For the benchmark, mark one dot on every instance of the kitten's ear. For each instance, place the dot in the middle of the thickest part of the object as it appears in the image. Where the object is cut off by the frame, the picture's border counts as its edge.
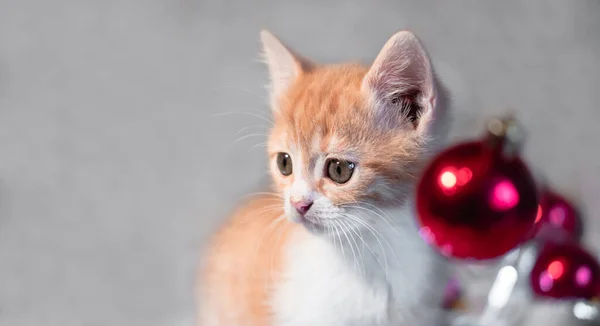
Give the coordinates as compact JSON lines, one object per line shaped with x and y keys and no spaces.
{"x":400,"y":83}
{"x":284,"y":65}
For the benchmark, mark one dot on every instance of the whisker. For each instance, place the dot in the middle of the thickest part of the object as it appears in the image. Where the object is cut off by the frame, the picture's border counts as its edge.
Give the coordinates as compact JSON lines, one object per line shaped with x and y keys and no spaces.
{"x":263,"y":144}
{"x":377,"y":215}
{"x":355,"y":219}
{"x":264,"y":193}
{"x":375,"y":207}
{"x":346,"y":236}
{"x":248,"y":128}
{"x":248,"y":136}
{"x":356,"y":260}
{"x":375,"y":233}
{"x":329,"y":234}
{"x":245,"y":113}
{"x":365,"y":244}
{"x":270,"y":209}
{"x":385,"y":240}
{"x":337,"y":233}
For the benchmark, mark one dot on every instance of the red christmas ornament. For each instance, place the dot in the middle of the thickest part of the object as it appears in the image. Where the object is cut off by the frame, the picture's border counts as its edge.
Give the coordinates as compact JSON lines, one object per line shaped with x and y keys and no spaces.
{"x":565,"y":271}
{"x":478,"y":200}
{"x":556,"y":214}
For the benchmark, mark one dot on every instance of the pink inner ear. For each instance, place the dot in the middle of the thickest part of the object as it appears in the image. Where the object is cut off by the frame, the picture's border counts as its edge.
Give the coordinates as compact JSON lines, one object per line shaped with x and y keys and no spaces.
{"x":400,"y":80}
{"x":401,"y":71}
{"x":409,"y":105}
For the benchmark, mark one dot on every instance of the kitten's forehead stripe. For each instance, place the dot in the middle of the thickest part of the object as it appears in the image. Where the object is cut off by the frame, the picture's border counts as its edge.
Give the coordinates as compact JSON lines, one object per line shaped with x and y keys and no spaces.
{"x":315,"y":150}
{"x":325,"y":100}
{"x":331,"y":144}
{"x":315,"y":146}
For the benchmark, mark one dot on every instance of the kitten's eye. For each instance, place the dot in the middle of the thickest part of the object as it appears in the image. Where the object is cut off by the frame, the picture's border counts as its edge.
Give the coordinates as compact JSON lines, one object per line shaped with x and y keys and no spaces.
{"x":340,"y":171}
{"x":284,"y":163}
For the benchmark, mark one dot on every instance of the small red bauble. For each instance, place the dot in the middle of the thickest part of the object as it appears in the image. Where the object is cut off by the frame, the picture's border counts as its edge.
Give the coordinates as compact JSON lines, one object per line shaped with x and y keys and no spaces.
{"x":556,"y":214}
{"x":565,"y":271}
{"x":476,"y":202}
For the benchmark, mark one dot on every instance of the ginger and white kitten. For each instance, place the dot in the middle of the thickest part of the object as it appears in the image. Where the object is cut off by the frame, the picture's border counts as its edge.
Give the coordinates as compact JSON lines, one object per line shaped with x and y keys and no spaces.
{"x":337,"y":243}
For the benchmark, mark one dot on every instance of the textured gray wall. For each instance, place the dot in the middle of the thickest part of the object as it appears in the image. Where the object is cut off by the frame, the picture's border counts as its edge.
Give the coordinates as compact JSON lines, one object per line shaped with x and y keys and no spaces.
{"x":114,"y":167}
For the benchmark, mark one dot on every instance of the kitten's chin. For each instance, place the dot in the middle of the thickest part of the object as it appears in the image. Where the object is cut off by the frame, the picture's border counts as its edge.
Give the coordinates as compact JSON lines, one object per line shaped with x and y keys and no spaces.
{"x":311,"y":224}
{"x":295,"y":218}
{"x":324,"y":226}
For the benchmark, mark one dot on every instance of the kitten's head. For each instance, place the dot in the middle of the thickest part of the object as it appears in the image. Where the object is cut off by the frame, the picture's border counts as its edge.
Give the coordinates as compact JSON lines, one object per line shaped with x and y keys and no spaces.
{"x":349,"y":138}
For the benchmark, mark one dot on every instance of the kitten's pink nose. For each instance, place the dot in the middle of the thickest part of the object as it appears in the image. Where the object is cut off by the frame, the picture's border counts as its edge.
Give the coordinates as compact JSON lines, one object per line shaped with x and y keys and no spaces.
{"x":302,"y":206}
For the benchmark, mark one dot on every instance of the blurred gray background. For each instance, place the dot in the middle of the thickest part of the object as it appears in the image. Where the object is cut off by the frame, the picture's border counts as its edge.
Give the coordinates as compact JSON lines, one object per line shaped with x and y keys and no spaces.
{"x":115,"y":163}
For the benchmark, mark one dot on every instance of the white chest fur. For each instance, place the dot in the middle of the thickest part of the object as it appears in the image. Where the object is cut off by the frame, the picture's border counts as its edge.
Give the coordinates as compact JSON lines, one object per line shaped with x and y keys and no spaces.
{"x":389,"y":279}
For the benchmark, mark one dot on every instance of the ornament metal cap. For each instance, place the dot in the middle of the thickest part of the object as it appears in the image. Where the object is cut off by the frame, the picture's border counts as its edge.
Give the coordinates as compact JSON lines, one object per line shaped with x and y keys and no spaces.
{"x":505,"y":133}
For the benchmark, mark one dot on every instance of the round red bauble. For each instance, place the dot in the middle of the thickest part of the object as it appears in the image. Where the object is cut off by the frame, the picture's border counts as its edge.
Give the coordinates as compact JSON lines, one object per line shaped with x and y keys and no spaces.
{"x":475,"y":202}
{"x":556,"y":214}
{"x":565,"y":271}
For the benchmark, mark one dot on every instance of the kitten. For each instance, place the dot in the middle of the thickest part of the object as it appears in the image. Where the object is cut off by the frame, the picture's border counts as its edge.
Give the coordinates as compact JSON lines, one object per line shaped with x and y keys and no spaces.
{"x":337,"y":243}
